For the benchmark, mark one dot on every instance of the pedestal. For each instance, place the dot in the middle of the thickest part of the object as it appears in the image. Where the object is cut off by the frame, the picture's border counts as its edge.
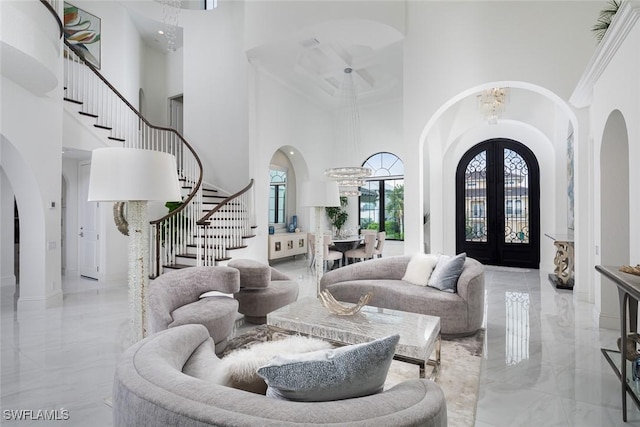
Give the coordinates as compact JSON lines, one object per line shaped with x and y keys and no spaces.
{"x":564,"y":262}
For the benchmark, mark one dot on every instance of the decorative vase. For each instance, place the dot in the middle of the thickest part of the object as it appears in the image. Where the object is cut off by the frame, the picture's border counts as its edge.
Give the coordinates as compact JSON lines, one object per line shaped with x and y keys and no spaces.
{"x":272,"y":229}
{"x":294,"y":221}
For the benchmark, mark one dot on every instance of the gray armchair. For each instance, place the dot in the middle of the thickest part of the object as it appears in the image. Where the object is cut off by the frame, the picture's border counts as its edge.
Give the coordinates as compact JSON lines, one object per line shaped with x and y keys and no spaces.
{"x":174,"y":299}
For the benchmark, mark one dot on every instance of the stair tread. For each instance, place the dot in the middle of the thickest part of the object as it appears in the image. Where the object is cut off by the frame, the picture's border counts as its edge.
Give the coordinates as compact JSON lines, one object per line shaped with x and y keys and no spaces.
{"x":102,"y":127}
{"x":73,"y":100}
{"x":115,"y":138}
{"x":95,"y":116}
{"x":230,"y":248}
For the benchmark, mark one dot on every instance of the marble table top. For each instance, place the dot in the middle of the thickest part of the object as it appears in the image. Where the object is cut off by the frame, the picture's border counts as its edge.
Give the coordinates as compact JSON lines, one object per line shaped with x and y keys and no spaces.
{"x":418,"y":332}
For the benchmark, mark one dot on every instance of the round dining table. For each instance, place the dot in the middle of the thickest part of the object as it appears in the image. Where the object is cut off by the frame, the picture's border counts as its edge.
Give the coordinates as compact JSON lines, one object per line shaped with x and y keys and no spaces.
{"x":343,"y":244}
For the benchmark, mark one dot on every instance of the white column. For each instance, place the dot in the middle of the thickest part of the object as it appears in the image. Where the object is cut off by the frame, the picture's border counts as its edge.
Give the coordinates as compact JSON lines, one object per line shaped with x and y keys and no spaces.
{"x":7,"y":273}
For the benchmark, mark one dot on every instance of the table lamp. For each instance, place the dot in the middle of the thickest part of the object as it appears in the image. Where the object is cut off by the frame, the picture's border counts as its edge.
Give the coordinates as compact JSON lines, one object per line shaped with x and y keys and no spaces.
{"x":319,"y":194}
{"x":136,"y":176}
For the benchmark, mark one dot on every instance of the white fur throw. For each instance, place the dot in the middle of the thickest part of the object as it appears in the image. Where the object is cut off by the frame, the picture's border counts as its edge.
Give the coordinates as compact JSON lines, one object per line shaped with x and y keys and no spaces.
{"x":240,"y":367}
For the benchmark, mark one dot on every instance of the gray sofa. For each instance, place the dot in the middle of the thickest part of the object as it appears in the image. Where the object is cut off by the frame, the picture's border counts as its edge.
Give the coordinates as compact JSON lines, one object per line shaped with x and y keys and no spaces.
{"x":151,"y":389}
{"x":460,"y":313}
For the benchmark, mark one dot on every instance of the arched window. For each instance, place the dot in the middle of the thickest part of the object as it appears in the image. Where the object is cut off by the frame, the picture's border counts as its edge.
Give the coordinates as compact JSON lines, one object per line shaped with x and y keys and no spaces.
{"x":277,"y":195}
{"x":382,"y":198}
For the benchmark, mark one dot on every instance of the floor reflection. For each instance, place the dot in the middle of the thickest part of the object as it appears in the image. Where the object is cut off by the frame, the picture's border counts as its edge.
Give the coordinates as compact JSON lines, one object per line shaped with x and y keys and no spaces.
{"x":517,"y":327}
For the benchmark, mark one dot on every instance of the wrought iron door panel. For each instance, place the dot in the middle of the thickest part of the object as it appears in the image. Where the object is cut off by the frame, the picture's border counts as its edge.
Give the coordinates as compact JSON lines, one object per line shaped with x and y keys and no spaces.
{"x":497,"y":204}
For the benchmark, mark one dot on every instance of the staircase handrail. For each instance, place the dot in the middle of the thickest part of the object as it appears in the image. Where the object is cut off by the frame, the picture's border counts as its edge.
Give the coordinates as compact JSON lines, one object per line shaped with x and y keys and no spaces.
{"x":205,"y":218}
{"x":137,"y":113}
{"x":48,"y":5}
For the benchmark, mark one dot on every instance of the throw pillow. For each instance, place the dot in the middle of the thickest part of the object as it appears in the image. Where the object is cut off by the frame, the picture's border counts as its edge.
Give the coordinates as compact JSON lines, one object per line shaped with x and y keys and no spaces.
{"x":419,"y":269}
{"x":346,"y":372}
{"x":239,"y":368}
{"x":448,"y":270}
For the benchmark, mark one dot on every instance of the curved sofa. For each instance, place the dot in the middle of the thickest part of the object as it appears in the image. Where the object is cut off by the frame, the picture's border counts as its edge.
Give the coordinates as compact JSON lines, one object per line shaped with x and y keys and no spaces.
{"x":460,"y":313}
{"x":151,"y":389}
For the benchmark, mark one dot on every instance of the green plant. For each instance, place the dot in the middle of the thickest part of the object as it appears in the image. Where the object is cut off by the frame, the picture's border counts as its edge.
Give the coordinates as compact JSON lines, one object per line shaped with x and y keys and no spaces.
{"x":337,"y":215}
{"x":604,"y":19}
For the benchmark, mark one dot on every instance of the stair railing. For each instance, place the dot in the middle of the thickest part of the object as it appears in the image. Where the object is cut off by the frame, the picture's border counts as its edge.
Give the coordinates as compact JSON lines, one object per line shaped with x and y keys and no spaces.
{"x":225,"y":227}
{"x":99,"y":99}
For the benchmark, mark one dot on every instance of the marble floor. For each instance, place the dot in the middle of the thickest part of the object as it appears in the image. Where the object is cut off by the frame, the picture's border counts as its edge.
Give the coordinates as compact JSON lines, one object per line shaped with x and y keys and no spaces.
{"x":542,"y":363}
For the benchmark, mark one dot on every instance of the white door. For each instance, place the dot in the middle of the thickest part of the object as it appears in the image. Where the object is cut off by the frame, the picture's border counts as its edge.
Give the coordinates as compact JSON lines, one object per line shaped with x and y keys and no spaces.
{"x":88,"y":220}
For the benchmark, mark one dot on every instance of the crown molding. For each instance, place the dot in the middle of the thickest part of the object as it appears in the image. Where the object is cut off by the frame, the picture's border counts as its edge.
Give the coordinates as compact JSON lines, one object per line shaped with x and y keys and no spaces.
{"x":621,"y":24}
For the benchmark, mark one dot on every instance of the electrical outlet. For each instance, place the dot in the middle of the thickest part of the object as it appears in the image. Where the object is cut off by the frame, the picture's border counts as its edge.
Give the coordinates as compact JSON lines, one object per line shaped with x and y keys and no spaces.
{"x":597,"y":250}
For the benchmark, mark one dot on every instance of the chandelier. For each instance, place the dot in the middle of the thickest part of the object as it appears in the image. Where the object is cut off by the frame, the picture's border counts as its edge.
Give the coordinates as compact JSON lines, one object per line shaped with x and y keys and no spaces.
{"x":170,"y":13}
{"x":493,"y":102}
{"x":349,"y":178}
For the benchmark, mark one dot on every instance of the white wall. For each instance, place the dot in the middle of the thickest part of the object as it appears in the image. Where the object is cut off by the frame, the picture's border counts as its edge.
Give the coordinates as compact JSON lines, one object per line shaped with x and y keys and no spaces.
{"x":28,"y":152}
{"x":174,"y":70}
{"x":282,"y":118}
{"x":473,"y":53}
{"x":615,"y":89}
{"x":154,"y":84}
{"x":215,"y":93}
{"x":121,"y":46}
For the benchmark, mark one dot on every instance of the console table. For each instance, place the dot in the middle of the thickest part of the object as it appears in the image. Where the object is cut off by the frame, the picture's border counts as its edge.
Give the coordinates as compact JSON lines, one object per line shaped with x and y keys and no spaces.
{"x":287,"y":244}
{"x":628,"y":295}
{"x":564,"y":260}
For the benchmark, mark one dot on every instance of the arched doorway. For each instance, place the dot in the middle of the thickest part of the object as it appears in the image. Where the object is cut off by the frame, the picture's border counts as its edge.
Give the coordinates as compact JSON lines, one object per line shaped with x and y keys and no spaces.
{"x":498,"y":204}
{"x":615,"y":221}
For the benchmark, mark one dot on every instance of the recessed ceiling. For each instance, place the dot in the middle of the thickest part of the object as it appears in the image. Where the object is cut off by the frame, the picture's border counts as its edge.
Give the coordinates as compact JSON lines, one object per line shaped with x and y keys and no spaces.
{"x":313,"y":61}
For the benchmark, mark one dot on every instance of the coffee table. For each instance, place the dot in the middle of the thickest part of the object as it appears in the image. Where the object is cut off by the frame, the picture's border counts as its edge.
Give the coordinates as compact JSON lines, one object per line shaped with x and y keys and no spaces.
{"x":419,"y":333}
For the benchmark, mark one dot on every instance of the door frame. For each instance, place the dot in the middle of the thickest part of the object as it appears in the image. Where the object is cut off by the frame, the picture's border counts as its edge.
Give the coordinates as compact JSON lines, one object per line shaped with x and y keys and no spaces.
{"x":83,"y":204}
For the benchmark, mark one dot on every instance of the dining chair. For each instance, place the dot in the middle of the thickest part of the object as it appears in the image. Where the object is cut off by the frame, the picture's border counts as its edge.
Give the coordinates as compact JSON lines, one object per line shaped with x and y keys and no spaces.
{"x":365,"y":252}
{"x":327,"y":254}
{"x":330,"y":255}
{"x":377,"y":251}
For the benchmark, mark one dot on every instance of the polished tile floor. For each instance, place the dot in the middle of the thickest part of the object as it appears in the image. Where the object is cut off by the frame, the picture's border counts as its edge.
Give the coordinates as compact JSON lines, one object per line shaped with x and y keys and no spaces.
{"x":542,"y":362}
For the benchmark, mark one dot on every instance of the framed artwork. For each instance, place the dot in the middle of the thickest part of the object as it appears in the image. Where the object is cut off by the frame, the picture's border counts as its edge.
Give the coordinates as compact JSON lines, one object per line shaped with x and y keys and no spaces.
{"x":570,"y":172}
{"x":82,"y":30}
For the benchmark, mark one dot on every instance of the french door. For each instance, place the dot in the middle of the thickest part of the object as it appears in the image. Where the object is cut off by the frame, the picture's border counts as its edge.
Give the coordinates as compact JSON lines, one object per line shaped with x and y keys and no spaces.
{"x":498,"y":204}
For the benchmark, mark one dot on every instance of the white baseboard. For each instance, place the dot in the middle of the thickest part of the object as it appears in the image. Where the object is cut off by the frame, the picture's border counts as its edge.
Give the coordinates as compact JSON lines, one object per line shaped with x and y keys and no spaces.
{"x":39,"y":303}
{"x":607,"y":321}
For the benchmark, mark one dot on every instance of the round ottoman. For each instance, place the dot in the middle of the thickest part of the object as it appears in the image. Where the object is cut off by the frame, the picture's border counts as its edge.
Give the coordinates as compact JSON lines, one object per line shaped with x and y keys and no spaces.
{"x":255,"y":304}
{"x":262,"y":289}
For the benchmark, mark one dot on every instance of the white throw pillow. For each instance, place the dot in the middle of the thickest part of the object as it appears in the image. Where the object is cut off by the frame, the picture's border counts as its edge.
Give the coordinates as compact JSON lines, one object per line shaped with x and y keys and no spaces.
{"x":419,"y":268}
{"x":239,"y":368}
{"x":343,"y":373}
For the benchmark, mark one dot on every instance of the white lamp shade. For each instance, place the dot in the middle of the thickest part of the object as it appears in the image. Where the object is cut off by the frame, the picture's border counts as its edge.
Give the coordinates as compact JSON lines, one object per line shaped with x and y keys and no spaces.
{"x":320,"y":194}
{"x":122,"y":174}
